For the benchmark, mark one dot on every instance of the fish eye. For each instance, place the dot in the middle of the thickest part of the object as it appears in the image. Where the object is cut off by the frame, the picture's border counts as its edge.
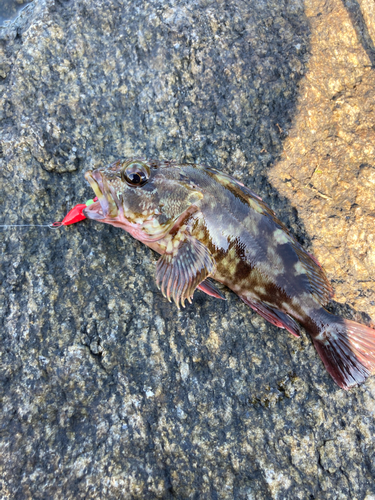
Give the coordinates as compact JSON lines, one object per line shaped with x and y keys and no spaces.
{"x":135,"y":174}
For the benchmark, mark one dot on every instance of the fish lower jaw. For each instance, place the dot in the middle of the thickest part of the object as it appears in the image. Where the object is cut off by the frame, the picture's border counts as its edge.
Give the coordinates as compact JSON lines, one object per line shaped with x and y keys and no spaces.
{"x":140,"y":228}
{"x":135,"y":229}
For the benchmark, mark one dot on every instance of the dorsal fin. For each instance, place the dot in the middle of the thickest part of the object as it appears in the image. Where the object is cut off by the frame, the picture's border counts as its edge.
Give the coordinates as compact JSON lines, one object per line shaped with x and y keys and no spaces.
{"x":319,"y":284}
{"x":243,"y":192}
{"x":320,"y":287}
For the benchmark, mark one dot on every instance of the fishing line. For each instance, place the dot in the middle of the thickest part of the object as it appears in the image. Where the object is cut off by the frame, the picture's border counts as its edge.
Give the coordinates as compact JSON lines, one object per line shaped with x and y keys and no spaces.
{"x":51,"y":226}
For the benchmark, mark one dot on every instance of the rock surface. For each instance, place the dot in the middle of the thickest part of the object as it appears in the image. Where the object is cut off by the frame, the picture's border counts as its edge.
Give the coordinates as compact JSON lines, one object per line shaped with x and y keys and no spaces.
{"x":107,"y":390}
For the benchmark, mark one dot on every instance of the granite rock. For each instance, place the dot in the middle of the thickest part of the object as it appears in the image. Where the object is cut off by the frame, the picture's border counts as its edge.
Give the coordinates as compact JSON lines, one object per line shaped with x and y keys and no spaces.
{"x":107,"y":390}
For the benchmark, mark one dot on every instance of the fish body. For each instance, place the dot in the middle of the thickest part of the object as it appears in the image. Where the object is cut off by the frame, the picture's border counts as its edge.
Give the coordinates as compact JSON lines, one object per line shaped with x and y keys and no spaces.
{"x":208,"y":226}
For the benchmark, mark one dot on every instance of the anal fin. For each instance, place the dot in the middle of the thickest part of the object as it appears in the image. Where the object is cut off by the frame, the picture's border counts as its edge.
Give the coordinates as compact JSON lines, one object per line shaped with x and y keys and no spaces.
{"x":274,"y":316}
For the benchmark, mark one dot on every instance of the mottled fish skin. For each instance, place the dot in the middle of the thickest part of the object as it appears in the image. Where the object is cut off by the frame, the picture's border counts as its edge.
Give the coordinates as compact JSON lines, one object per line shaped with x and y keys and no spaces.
{"x":206,"y":224}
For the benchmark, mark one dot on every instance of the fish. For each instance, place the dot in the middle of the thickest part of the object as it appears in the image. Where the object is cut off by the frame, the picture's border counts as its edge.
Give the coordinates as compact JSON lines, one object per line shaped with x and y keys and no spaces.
{"x":209,"y":228}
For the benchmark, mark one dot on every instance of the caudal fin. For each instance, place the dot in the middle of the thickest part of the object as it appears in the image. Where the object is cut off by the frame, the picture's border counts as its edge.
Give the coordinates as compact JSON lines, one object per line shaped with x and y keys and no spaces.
{"x":347,"y":350}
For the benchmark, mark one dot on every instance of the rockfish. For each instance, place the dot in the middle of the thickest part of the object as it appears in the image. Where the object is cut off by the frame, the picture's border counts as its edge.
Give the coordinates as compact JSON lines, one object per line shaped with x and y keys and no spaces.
{"x":208,"y":226}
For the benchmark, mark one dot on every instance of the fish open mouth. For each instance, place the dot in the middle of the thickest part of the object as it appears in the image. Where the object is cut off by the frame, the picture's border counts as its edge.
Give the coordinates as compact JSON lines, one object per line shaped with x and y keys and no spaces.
{"x":106,"y":206}
{"x":110,"y":210}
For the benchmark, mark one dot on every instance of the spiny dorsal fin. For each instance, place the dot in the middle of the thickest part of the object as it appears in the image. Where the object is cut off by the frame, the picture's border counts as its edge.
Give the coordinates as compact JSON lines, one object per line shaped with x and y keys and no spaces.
{"x":319,"y":284}
{"x":240,"y":191}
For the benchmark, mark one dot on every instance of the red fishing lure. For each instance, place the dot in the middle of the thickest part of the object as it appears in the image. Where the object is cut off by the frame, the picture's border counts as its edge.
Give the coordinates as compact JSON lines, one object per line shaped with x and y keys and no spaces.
{"x":75,"y":214}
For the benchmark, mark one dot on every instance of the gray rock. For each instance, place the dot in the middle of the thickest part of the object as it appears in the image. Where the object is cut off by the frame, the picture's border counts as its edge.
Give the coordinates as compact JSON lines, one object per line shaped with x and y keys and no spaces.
{"x":107,"y":390}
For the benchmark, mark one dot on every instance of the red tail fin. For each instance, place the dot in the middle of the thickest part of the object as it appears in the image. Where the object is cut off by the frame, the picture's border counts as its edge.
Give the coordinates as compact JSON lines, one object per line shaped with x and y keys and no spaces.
{"x":347,"y":350}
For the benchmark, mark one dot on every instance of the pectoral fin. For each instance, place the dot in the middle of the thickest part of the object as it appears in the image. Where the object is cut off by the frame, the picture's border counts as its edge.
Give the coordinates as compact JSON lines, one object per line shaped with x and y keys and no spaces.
{"x":179,"y":272}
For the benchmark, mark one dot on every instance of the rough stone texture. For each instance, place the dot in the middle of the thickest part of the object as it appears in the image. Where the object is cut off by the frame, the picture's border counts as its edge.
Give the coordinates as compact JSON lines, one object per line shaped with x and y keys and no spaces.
{"x":107,"y":390}
{"x":10,"y":9}
{"x":327,"y":167}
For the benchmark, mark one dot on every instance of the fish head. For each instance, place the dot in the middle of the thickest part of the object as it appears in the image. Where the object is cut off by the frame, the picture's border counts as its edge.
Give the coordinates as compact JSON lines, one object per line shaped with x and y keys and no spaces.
{"x":146,"y":198}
